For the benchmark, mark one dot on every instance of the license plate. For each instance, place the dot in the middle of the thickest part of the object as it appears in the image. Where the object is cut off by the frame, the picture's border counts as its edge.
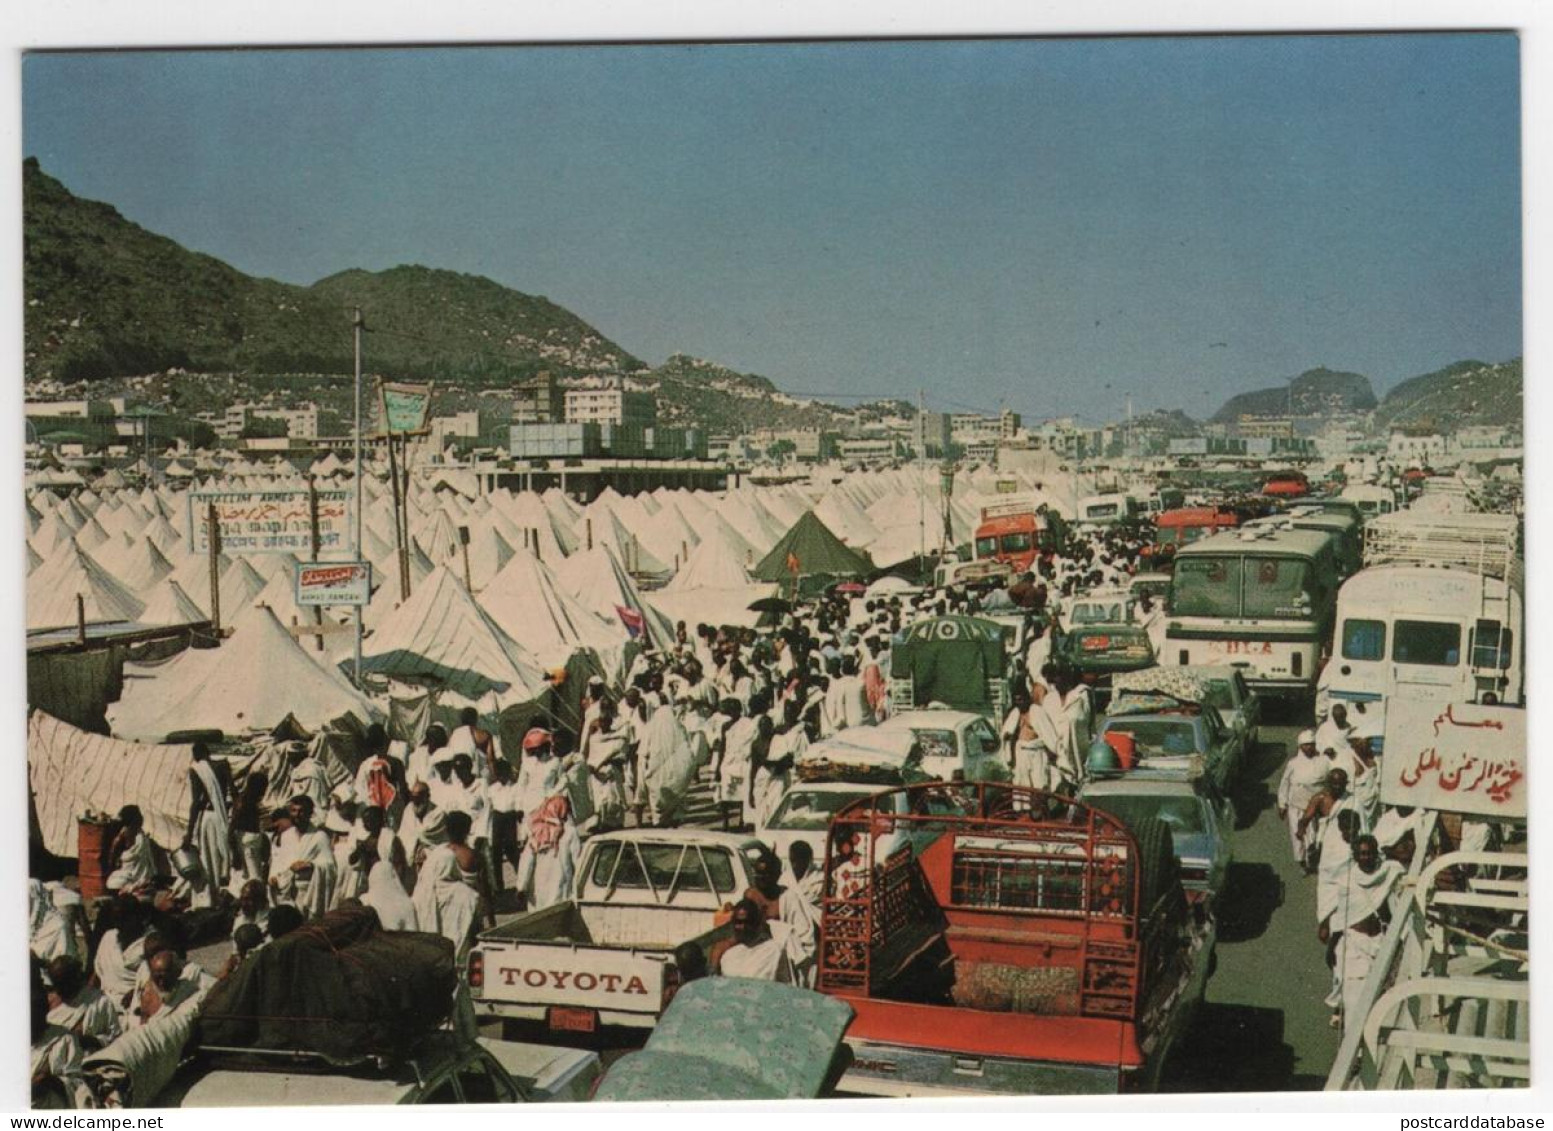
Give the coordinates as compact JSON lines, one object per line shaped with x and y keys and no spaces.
{"x":568,"y":1020}
{"x":1096,"y":643}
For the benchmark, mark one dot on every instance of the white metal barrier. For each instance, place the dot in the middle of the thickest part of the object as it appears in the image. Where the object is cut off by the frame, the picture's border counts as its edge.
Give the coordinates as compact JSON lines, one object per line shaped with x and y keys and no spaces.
{"x":1446,"y":1006}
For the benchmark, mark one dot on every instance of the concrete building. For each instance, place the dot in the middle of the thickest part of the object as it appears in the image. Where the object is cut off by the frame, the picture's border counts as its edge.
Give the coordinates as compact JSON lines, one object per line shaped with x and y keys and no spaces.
{"x":1257,"y":427}
{"x":932,"y":433}
{"x":868,"y":449}
{"x":1008,"y":424}
{"x":611,"y":406}
{"x":459,"y":426}
{"x":539,"y":401}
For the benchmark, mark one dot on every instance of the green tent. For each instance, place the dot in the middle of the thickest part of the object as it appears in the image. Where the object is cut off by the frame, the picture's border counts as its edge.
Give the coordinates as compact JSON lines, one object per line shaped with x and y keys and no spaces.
{"x":957,"y":661}
{"x":810,"y":550}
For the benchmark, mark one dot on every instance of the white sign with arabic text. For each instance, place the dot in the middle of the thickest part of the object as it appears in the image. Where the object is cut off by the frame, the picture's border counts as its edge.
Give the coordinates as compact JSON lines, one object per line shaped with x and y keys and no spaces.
{"x":1455,"y":758}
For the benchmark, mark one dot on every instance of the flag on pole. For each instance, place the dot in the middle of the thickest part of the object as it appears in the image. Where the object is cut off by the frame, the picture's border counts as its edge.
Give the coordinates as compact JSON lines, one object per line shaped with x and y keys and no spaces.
{"x":635,"y":622}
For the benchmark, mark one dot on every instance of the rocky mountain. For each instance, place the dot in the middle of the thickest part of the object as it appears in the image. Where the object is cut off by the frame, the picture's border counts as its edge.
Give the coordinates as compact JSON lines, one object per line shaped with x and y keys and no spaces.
{"x":1316,"y":392}
{"x":1466,"y":393}
{"x":107,"y":299}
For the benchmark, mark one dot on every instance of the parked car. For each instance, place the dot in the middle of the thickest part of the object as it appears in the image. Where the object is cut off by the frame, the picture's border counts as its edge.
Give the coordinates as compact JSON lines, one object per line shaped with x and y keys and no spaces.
{"x":1090,"y":609}
{"x":1183,"y":737}
{"x":1099,"y":652}
{"x":449,"y":1069}
{"x":604,"y":958}
{"x":1156,"y":585}
{"x":1200,"y":821}
{"x":715,"y":1042}
{"x":1221,"y":686}
{"x":924,"y":745}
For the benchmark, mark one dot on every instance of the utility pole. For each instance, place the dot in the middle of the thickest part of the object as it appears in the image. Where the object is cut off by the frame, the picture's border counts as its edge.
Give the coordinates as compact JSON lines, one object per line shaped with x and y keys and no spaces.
{"x":921,"y":476}
{"x":357,"y":326}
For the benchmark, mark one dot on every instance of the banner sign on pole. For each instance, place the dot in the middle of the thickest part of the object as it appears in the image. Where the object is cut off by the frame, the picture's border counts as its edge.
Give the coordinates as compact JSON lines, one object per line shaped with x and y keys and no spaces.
{"x":1006,"y":486}
{"x":272,"y":522}
{"x":406,"y":408}
{"x":1455,"y":758}
{"x":334,"y":583}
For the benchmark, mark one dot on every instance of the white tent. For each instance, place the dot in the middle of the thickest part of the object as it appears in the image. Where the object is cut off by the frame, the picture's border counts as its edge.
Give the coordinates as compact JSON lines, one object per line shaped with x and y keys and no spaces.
{"x":531,"y":606}
{"x":53,"y":587}
{"x":251,"y":683}
{"x":442,"y":636}
{"x":598,"y":580}
{"x":167,"y":603}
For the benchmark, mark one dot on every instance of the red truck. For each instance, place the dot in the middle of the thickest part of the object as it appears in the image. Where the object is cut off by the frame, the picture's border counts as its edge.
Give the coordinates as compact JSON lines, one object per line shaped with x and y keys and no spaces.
{"x":1011,"y":533}
{"x":997,"y":940}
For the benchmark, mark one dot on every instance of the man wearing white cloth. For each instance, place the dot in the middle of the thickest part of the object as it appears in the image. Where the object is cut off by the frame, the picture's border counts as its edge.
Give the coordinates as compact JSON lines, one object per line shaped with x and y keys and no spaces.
{"x":759,"y":949}
{"x":448,"y":893}
{"x":1362,"y":914}
{"x":210,"y":829}
{"x":1303,"y":778}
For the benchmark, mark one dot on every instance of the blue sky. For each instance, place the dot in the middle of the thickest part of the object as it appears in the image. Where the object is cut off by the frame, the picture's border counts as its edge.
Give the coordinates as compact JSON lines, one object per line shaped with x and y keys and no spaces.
{"x":1047,"y":224}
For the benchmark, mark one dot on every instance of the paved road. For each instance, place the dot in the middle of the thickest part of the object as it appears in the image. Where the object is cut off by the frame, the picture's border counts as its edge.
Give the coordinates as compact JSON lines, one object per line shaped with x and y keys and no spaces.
{"x":1263,"y":1026}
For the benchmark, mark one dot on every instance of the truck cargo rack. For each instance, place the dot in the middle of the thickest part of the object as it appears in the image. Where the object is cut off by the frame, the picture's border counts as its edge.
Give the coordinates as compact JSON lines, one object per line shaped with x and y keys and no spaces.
{"x":1003,"y":856}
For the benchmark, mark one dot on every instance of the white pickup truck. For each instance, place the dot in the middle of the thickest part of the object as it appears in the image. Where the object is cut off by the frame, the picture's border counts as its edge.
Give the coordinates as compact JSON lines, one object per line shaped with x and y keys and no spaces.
{"x":605,"y":957}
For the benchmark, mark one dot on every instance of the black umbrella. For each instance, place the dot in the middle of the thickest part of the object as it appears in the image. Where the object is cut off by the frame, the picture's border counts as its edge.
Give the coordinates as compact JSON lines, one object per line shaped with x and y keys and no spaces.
{"x":771,"y":605}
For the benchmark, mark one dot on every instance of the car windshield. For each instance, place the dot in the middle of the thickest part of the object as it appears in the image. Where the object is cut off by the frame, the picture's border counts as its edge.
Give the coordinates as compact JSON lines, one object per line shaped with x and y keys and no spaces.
{"x":1159,"y":736}
{"x":1099,"y":612}
{"x":1220,"y":694}
{"x":805,"y":810}
{"x":1183,"y":814}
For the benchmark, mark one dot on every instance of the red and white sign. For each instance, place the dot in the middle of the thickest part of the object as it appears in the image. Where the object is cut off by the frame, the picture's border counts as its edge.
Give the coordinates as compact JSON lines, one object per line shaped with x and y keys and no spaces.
{"x":1456,"y":758}
{"x":334,"y":583}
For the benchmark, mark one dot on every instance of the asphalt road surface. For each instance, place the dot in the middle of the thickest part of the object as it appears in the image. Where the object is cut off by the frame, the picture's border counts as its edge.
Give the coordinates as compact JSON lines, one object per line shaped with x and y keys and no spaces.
{"x":1262,"y":1027}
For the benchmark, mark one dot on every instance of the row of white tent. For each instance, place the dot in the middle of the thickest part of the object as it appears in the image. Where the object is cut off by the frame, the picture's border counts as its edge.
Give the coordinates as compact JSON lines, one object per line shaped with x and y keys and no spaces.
{"x":545,"y":578}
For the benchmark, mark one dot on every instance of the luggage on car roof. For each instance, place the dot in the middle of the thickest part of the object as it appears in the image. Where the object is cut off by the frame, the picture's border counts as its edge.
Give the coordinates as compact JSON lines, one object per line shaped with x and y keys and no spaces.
{"x":340,"y":988}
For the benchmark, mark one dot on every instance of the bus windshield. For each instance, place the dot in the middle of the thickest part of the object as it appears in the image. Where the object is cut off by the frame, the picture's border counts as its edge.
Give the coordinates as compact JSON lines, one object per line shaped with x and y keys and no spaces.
{"x":1277,"y":588}
{"x":1016,"y":543}
{"x":986,"y":547}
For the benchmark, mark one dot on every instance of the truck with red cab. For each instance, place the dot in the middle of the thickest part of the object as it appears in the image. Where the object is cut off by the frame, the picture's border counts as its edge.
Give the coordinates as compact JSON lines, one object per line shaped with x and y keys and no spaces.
{"x":1013,"y":533}
{"x":998,"y":940}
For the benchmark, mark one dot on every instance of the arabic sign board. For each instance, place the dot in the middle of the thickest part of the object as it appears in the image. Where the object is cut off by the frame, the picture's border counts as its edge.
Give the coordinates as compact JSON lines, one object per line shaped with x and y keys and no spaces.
{"x":1006,"y":486}
{"x":272,"y":522}
{"x":334,"y":583}
{"x":405,"y":407}
{"x":1459,"y":758}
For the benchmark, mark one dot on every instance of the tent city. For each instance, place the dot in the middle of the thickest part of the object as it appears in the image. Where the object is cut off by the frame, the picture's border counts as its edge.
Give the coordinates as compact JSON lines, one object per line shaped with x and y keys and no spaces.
{"x":1041,"y":613}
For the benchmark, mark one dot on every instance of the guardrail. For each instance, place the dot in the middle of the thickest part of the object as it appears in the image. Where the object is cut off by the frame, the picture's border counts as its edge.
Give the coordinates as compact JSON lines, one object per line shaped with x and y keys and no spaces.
{"x":1446,"y":1007}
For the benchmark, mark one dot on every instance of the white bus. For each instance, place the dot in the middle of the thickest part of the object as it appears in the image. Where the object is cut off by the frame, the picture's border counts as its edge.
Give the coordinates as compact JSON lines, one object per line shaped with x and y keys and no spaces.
{"x":1263,"y":600}
{"x":1437,"y":615}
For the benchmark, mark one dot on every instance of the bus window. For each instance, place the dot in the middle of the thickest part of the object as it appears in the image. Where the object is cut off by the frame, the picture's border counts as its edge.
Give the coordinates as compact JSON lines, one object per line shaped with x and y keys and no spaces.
{"x":986,"y":547}
{"x":1364,"y":640}
{"x":1427,"y":642}
{"x":1490,"y":645}
{"x":1206,"y":587}
{"x":1277,"y":587}
{"x":1016,"y":543}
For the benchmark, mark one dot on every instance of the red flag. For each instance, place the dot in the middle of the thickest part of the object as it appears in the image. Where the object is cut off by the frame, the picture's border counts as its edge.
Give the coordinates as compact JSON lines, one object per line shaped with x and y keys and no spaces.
{"x":635,"y":622}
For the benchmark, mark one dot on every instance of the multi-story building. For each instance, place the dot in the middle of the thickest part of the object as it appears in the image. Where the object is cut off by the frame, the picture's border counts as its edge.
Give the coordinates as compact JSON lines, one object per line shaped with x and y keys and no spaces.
{"x":1008,"y":424}
{"x":1258,"y":427}
{"x":613,"y":405}
{"x":868,"y":449}
{"x":539,"y":401}
{"x":932,"y":433}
